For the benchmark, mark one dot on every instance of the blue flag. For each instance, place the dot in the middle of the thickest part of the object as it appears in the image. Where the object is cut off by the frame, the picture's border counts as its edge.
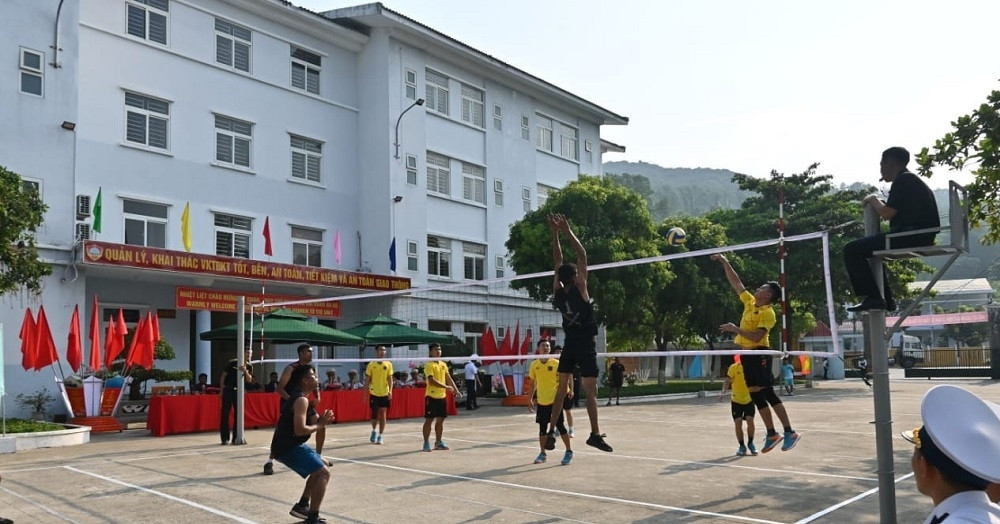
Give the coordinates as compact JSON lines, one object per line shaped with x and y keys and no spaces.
{"x":392,"y":255}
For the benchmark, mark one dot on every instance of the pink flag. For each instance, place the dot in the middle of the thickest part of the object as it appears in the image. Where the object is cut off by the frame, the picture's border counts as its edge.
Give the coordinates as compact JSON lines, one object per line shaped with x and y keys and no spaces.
{"x":74,"y":346}
{"x":336,"y":246}
{"x":46,"y":354}
{"x":95,"y":337}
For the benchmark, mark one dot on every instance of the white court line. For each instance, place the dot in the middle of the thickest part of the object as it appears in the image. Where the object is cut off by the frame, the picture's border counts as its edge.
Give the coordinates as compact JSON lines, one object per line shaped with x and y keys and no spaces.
{"x":552,"y":491}
{"x":851,"y":500}
{"x":164,"y":495}
{"x":46,"y":509}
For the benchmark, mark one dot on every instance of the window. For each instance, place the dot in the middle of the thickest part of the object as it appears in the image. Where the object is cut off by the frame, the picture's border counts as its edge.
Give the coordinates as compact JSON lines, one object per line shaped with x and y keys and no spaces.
{"x":525,"y":127}
{"x":588,"y":147}
{"x":439,"y":326}
{"x":438,"y":174}
{"x":411,"y":255}
{"x":232,"y":45}
{"x":543,"y":192}
{"x":473,"y":336}
{"x":497,"y":117}
{"x":411,"y":84}
{"x":232,"y":141}
{"x":30,"y":185}
{"x":305,"y":70}
{"x":474,"y":256}
{"x":32,"y":71}
{"x":146,"y":120}
{"x":473,"y":183}
{"x":568,"y":138}
{"x":497,"y":192}
{"x":500,"y":265}
{"x":147,"y":19}
{"x":307,"y":246}
{"x":473,"y":105}
{"x":307,"y":155}
{"x":526,"y":199}
{"x":438,"y":256}
{"x":145,"y":223}
{"x":411,"y":170}
{"x":437,"y":92}
{"x":232,"y":236}
{"x":544,"y":138}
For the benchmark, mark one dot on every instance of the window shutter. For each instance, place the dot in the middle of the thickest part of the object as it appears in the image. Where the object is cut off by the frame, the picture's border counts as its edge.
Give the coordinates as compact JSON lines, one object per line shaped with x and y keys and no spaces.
{"x":312,"y":81}
{"x":158,"y":28}
{"x":136,"y":21}
{"x":242,"y":153}
{"x":223,"y":148}
{"x":157,"y":132}
{"x":223,"y":50}
{"x":313,"y":169}
{"x":298,"y":165}
{"x":298,"y":76}
{"x":241,"y":57}
{"x":136,"y":128}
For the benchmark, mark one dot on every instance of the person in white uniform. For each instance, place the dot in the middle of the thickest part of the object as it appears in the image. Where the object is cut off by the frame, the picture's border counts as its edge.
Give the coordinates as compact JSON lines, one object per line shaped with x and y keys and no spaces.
{"x":956,"y":455}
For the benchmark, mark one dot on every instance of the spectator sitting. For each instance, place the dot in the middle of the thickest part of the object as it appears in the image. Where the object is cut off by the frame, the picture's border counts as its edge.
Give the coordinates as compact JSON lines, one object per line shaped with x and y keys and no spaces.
{"x":399,"y":380}
{"x":272,"y":384}
{"x":332,"y":380}
{"x":202,"y":385}
{"x":352,"y":380}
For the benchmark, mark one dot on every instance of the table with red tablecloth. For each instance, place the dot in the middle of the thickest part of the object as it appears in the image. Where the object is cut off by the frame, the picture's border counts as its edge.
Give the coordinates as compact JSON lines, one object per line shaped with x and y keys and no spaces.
{"x":170,"y":414}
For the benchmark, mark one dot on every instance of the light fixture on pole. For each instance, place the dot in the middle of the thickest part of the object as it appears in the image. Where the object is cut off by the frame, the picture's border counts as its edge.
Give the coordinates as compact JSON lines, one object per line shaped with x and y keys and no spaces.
{"x":419,"y":102}
{"x":392,"y":246}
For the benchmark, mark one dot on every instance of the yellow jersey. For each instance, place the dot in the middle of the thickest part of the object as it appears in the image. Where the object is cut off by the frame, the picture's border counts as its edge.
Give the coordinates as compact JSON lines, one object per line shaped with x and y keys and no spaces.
{"x":439,"y":370}
{"x":545,"y":376}
{"x":754,"y":318}
{"x":741,"y":394}
{"x":379,"y":374}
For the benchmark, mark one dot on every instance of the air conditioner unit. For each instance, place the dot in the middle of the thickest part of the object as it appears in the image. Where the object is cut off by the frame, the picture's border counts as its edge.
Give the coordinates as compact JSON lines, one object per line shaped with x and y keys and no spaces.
{"x":82,"y":231}
{"x":82,"y":207}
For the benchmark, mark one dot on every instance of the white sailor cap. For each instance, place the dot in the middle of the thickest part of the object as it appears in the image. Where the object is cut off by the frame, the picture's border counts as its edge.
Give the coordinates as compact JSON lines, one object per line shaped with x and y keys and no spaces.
{"x":960,"y":435}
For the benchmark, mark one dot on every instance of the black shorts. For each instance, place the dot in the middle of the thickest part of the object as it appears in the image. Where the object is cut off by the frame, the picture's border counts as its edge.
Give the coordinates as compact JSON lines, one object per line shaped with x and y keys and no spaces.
{"x":617,"y":383}
{"x":376,"y":403}
{"x":568,"y":403}
{"x":742,"y":411}
{"x":543,"y":415}
{"x":435,"y":407}
{"x":757,"y":370}
{"x":764,"y":397}
{"x":580,"y":350}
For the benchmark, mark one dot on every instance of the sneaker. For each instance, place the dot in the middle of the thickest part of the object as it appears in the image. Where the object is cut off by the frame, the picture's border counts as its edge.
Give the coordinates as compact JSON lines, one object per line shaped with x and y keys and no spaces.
{"x":567,"y":457}
{"x":550,"y":441}
{"x":313,"y":519}
{"x":441,"y":445}
{"x":742,"y":451}
{"x":791,"y":438}
{"x":372,"y":437}
{"x":427,"y":446}
{"x":300,"y":511}
{"x":378,"y":440}
{"x":770,"y":442}
{"x":597,"y":441}
{"x":570,"y":432}
{"x":269,"y":469}
{"x":752,"y":449}
{"x":540,"y":459}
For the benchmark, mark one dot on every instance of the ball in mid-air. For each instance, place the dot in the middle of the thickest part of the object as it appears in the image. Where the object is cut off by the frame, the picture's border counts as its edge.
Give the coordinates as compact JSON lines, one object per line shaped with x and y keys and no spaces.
{"x":676,"y":236}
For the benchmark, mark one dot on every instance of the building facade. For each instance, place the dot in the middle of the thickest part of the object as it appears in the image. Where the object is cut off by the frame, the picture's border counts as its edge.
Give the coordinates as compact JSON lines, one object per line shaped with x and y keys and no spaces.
{"x":194,"y":125}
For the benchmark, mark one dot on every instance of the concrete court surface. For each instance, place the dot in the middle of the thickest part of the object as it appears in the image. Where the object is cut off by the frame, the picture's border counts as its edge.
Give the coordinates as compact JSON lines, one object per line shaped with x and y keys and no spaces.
{"x":674,"y":461}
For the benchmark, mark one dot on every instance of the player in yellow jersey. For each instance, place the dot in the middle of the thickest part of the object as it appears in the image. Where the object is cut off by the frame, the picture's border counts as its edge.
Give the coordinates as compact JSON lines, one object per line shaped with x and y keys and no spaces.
{"x":544,"y":374}
{"x":741,"y":406}
{"x":439,"y":383}
{"x":752,"y":333}
{"x":378,"y":389}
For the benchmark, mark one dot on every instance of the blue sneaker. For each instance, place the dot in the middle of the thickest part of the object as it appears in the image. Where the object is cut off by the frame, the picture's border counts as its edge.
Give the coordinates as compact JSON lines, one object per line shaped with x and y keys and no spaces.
{"x":742,"y":451}
{"x":441,"y":445}
{"x":540,"y":459}
{"x":567,"y":457}
{"x":770,"y":442}
{"x":372,"y":437}
{"x":791,"y":438}
{"x":378,"y":440}
{"x":427,"y":446}
{"x":752,"y":448}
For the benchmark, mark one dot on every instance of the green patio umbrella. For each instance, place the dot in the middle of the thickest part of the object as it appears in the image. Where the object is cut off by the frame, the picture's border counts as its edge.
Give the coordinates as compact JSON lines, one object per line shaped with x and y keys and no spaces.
{"x":384,"y":329}
{"x":285,"y":326}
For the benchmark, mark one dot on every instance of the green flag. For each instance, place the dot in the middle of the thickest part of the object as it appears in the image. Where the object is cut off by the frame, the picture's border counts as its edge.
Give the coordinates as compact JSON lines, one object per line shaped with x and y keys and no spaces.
{"x":97,"y":213}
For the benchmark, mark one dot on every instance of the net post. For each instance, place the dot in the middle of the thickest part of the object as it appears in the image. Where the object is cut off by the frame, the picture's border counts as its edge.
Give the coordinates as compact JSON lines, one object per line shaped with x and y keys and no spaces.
{"x":240,"y":362}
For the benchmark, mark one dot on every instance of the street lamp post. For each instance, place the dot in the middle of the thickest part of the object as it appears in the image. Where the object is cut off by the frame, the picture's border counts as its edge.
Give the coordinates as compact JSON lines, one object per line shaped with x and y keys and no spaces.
{"x":419,"y":102}
{"x":395,"y":200}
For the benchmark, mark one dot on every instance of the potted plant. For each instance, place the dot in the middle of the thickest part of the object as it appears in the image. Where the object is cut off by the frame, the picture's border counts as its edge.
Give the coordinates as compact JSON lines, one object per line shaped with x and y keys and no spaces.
{"x":37,"y":401}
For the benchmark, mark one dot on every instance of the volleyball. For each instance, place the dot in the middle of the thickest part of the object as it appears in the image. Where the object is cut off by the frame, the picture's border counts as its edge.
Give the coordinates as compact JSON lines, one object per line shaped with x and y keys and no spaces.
{"x":676,"y":236}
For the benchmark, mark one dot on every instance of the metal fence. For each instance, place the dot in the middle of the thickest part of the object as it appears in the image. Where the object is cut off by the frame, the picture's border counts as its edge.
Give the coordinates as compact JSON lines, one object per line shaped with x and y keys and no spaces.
{"x":958,"y":362}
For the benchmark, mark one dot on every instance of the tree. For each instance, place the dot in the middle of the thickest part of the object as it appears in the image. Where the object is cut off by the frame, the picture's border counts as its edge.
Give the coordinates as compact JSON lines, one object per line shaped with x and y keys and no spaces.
{"x":969,"y":335}
{"x":161,"y":351}
{"x":973,"y":142}
{"x":21,"y":214}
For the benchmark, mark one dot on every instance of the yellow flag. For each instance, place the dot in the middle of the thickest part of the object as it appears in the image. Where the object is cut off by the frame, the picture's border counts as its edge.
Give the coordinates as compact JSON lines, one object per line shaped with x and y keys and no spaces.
{"x":186,"y":226}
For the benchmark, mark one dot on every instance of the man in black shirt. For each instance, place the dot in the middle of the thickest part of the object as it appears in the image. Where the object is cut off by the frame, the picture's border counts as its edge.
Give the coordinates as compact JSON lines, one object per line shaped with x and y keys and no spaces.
{"x":228,"y":392}
{"x":910,"y":207}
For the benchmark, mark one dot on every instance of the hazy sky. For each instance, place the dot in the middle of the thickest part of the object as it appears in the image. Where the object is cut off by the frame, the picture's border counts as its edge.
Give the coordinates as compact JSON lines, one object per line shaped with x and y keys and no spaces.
{"x":746,"y":86}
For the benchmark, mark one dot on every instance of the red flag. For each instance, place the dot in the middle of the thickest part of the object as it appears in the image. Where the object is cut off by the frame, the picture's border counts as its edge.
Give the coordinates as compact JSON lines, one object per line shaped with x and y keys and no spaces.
{"x":137,"y":340}
{"x":95,"y":337}
{"x":28,"y":344}
{"x":114,"y":342}
{"x":267,"y":236}
{"x":156,"y":328}
{"x":525,"y":345}
{"x":74,"y":346}
{"x":146,"y":347}
{"x":46,"y":354}
{"x":488,"y":344}
{"x":505,"y":346}
{"x":516,"y":344}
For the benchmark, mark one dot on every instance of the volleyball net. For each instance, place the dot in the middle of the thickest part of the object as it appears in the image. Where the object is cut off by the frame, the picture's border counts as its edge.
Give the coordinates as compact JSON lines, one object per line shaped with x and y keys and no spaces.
{"x":498,"y":321}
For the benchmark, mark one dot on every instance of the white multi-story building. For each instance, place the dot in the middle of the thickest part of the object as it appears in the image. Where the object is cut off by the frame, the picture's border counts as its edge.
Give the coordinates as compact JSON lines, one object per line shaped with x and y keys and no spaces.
{"x":339,"y":131}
